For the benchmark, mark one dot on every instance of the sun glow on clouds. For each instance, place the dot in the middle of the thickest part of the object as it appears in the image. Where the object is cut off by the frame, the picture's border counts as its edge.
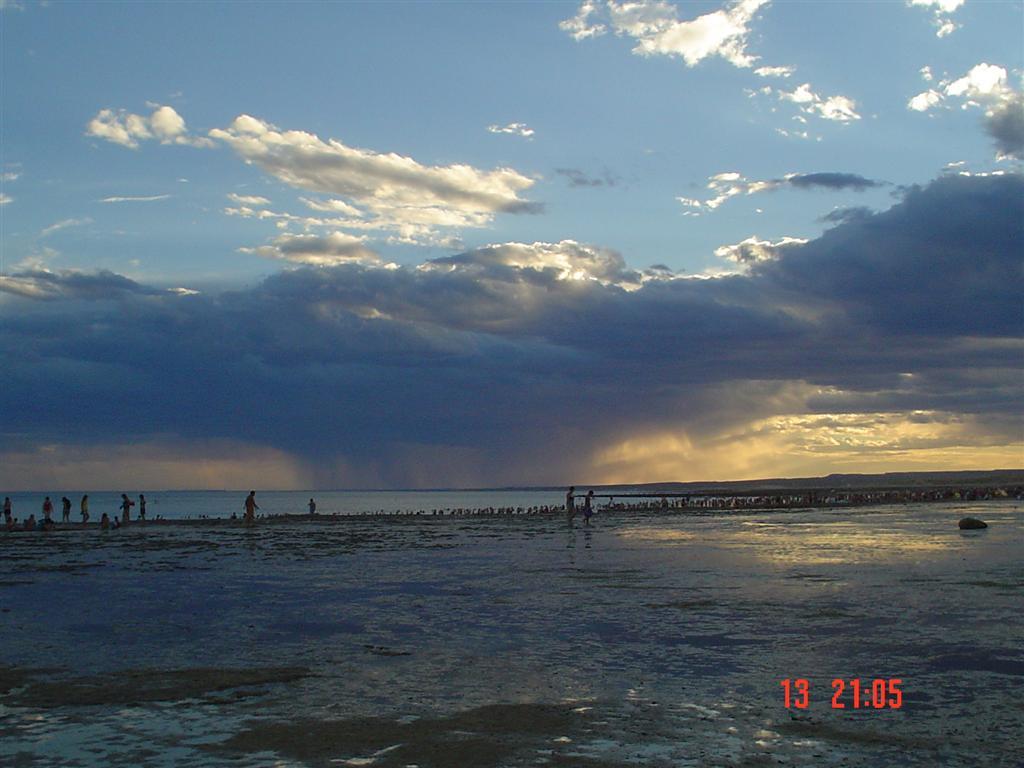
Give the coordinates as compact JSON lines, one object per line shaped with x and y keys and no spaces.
{"x":801,"y":444}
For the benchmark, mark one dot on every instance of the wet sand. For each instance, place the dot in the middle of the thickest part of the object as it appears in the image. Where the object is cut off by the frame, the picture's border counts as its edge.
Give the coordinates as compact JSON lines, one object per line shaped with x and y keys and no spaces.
{"x":646,"y":640}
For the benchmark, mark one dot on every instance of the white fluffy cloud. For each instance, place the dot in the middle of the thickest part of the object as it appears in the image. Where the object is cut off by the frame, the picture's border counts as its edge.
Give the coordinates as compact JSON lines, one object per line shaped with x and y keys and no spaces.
{"x":658,"y":31}
{"x":387,"y":191}
{"x":128,"y":129}
{"x":942,"y":10}
{"x":579,"y":26}
{"x":836,"y":108}
{"x":753,"y":250}
{"x":516,"y":129}
{"x":985,"y":86}
{"x":5,"y":199}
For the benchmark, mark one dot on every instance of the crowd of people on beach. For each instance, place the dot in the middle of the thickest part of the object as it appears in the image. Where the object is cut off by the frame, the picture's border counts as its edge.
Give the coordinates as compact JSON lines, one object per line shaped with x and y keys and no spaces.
{"x":650,"y":503}
{"x":47,"y":523}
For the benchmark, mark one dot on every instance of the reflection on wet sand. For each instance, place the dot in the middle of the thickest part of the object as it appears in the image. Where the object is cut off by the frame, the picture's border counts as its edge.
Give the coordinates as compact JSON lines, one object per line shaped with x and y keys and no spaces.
{"x":514,"y":641}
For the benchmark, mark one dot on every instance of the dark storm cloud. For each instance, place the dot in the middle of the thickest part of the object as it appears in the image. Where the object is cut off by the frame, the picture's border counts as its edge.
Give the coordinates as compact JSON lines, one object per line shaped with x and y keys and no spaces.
{"x":522,"y":352}
{"x":1005,"y":124}
{"x":831,"y":181}
{"x":841,"y":215}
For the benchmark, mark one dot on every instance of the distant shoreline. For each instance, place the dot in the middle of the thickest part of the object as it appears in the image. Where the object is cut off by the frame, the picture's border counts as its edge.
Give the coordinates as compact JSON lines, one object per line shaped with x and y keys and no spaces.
{"x":835,"y":481}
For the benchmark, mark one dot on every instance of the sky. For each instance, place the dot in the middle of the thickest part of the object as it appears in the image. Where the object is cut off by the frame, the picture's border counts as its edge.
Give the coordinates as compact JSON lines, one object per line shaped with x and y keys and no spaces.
{"x":468,"y":244}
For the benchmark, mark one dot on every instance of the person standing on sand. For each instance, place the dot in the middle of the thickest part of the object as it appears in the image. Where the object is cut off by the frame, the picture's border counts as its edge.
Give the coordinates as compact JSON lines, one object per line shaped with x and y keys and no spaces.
{"x":65,"y":513}
{"x":47,"y":509}
{"x":250,"y":507}
{"x":126,"y":505}
{"x":84,"y":508}
{"x":570,"y":503}
{"x":142,"y":506}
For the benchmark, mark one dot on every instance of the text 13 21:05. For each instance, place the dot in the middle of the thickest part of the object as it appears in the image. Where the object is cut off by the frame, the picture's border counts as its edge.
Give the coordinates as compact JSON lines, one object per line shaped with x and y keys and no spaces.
{"x":878,"y":694}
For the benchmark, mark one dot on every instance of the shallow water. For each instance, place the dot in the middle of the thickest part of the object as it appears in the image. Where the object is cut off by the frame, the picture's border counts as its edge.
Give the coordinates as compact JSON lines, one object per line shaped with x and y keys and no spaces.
{"x":646,"y":639}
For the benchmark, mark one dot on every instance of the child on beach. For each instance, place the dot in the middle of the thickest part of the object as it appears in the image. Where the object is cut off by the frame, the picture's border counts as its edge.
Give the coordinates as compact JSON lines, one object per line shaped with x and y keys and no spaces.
{"x":47,"y":509}
{"x":588,"y":507}
{"x":105,"y":522}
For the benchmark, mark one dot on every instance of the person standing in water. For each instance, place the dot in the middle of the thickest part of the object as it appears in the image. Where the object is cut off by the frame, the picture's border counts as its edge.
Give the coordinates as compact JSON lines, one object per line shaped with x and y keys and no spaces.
{"x":84,"y":509}
{"x":47,"y":508}
{"x":588,"y":507}
{"x":250,"y":507}
{"x":570,"y":502}
{"x":65,"y":513}
{"x":312,"y":507}
{"x":142,"y":506}
{"x":126,"y":505}
{"x":7,"y":509}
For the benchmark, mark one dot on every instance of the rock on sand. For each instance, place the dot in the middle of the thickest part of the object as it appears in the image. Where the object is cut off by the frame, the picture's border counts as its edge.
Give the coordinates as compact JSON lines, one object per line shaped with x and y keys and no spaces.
{"x":971,"y":523}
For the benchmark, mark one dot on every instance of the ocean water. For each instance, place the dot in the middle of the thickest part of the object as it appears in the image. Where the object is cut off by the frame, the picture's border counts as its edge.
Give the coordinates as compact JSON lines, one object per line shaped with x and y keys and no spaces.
{"x":644,"y":639}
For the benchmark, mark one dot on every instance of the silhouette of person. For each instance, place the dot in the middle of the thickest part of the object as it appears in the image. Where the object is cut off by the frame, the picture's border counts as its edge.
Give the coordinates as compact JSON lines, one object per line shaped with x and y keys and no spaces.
{"x":250,"y":507}
{"x":312,"y":507}
{"x":126,"y":505}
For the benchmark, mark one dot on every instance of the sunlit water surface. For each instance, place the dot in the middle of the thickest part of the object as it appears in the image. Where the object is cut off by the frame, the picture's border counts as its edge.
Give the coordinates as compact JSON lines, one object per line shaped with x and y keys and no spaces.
{"x":662,"y":638}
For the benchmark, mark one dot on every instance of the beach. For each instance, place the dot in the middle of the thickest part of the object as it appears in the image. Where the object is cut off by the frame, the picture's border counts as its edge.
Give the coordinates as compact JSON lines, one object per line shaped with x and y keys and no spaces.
{"x":643,"y":639}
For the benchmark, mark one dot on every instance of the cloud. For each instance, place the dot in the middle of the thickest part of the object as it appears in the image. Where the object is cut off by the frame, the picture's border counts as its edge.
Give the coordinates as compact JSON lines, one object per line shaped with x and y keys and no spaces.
{"x":1005,"y":123}
{"x":142,"y":199}
{"x":942,"y":10}
{"x":579,"y":26}
{"x":578,"y":178}
{"x":774,"y":71}
{"x":389,"y":191}
{"x":984,"y":86}
{"x":533,"y":363}
{"x":565,"y":260}
{"x":164,"y":124}
{"x":753,"y":250}
{"x":731,"y":184}
{"x":10,"y":176}
{"x":253,"y":201}
{"x":658,"y":31}
{"x":5,"y":199}
{"x":322,"y":251}
{"x":516,"y":129}
{"x":64,"y":224}
{"x":839,"y":109}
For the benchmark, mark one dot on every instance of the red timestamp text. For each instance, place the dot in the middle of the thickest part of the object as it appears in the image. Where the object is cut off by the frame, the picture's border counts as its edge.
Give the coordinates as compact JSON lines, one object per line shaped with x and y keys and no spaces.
{"x":879,"y":693}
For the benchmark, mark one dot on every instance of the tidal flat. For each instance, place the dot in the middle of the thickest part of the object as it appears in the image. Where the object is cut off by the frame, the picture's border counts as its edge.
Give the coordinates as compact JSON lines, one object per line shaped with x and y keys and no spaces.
{"x":644,"y":639}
